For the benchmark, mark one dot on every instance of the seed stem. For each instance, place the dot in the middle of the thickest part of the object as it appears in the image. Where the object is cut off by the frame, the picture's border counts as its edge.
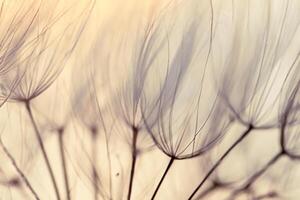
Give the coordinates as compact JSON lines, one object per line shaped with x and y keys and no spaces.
{"x":44,"y":153}
{"x":163,"y":177}
{"x":216,"y":165}
{"x":133,"y":163}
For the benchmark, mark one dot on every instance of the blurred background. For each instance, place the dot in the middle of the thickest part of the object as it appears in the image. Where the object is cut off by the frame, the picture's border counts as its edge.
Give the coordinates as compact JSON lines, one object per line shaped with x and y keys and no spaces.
{"x":93,"y":72}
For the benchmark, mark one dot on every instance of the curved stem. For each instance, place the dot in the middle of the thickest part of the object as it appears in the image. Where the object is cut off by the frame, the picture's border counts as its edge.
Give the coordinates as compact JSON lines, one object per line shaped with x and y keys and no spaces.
{"x":216,"y":165}
{"x":163,"y":177}
{"x":44,"y":153}
{"x":22,"y":175}
{"x":133,"y":162}
{"x":63,"y":161}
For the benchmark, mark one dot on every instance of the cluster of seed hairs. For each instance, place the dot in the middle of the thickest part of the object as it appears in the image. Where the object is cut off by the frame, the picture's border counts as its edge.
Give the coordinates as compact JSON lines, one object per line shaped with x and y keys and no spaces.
{"x":174,"y":81}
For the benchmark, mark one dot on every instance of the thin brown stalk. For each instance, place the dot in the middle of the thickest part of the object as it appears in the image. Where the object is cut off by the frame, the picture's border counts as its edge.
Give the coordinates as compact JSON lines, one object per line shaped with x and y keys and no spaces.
{"x":163,"y":177}
{"x":43,"y":149}
{"x":133,"y":162}
{"x":216,"y":165}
